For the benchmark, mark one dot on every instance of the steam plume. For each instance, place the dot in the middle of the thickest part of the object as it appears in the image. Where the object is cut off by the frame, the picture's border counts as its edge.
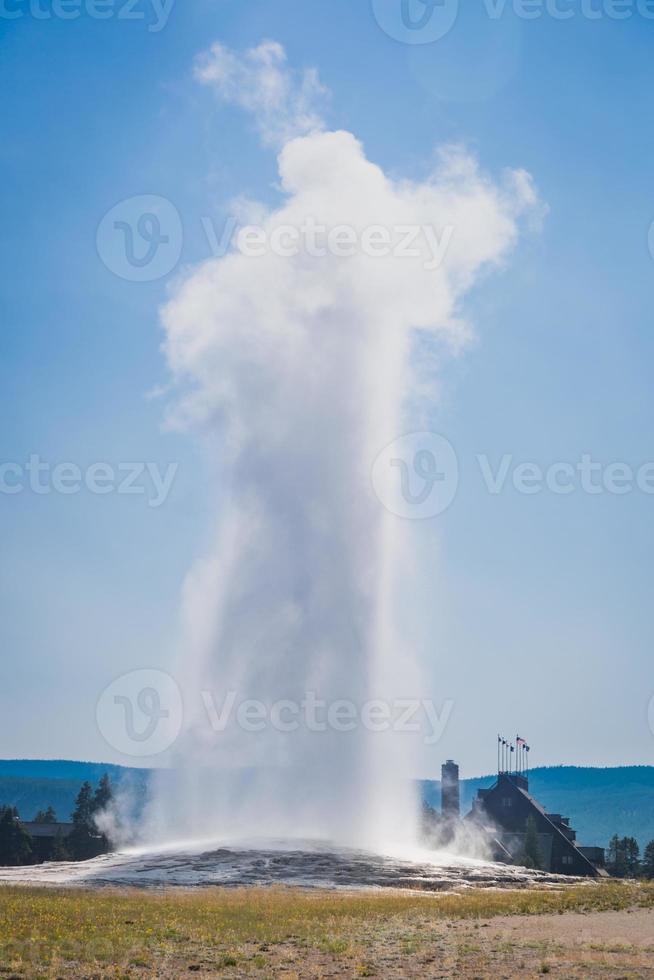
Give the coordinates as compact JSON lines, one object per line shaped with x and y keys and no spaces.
{"x":298,"y":370}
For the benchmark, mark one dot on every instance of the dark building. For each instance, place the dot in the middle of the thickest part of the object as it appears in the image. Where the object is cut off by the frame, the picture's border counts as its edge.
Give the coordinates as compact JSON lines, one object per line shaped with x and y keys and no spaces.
{"x":503,"y":811}
{"x":501,"y":815}
{"x":450,"y":798}
{"x":45,"y":836}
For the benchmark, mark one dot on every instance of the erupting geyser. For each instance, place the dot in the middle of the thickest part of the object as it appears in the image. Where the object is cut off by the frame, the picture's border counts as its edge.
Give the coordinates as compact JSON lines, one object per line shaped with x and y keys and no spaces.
{"x":298,"y":365}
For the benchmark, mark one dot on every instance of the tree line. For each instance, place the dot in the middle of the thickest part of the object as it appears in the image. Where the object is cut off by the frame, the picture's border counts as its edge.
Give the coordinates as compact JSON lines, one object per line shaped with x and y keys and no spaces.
{"x":85,"y":840}
{"x":623,"y":859}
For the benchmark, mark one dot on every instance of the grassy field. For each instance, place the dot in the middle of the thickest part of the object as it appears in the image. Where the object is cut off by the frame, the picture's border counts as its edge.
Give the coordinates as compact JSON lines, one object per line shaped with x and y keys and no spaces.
{"x":291,"y":933}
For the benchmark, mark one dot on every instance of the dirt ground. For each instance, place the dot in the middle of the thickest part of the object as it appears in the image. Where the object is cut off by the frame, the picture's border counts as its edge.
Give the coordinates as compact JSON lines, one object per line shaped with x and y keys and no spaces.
{"x":570,"y":945}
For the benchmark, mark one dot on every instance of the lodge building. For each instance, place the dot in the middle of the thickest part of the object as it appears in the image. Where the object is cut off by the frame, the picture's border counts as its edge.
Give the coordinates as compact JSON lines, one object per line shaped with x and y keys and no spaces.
{"x":501,"y":814}
{"x":507,"y":806}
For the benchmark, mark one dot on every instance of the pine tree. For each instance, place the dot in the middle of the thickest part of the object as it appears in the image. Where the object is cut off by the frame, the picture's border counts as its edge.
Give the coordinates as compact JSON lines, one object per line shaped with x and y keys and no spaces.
{"x":615,"y":858}
{"x":623,"y":859}
{"x":648,"y":860}
{"x":15,"y":842}
{"x":632,"y":856}
{"x":80,"y":840}
{"x":86,"y":841}
{"x":101,"y":803}
{"x":103,"y":795}
{"x":46,"y":816}
{"x":83,"y":812}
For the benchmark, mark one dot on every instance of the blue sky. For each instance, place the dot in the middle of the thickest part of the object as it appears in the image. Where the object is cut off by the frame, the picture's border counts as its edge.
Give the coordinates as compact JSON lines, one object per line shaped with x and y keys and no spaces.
{"x":546,"y":619}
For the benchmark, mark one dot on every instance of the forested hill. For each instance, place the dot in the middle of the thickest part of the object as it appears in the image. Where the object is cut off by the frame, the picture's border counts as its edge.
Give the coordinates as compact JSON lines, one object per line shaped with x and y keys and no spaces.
{"x":599,"y":802}
{"x":61,"y":769}
{"x":33,"y":785}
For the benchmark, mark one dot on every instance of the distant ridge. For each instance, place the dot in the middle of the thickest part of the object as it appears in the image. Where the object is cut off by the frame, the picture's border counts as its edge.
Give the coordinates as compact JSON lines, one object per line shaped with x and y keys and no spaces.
{"x":599,"y":801}
{"x":61,"y":769}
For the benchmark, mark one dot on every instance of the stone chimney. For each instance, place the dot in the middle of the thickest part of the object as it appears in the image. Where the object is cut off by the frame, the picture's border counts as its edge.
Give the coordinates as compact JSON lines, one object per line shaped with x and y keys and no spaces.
{"x":450,"y":799}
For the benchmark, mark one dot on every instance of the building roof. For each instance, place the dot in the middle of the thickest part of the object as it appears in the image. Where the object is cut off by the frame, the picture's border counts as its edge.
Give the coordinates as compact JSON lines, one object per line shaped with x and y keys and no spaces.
{"x":48,"y":829}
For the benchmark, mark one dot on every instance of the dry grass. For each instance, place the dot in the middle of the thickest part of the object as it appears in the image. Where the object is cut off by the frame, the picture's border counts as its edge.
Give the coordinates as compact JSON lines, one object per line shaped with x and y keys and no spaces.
{"x":264,"y":932}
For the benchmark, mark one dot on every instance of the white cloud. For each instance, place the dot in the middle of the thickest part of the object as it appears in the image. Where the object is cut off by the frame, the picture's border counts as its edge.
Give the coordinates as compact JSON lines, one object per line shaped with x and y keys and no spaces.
{"x":284,"y":103}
